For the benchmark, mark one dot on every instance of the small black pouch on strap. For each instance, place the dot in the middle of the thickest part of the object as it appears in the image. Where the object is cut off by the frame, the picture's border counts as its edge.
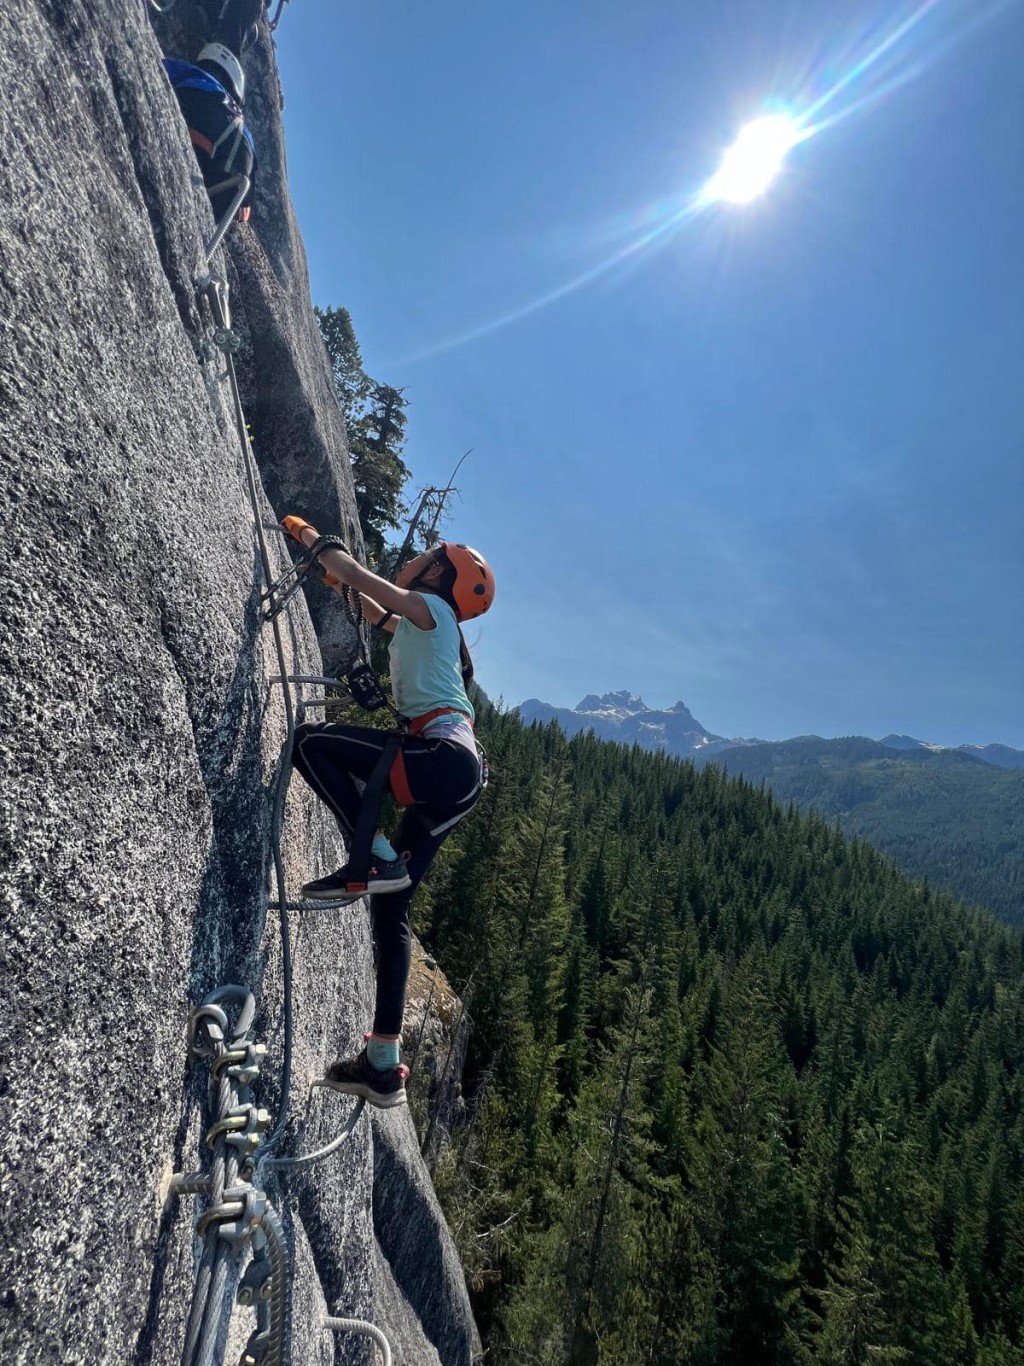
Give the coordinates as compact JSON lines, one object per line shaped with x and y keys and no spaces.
{"x":364,"y":685}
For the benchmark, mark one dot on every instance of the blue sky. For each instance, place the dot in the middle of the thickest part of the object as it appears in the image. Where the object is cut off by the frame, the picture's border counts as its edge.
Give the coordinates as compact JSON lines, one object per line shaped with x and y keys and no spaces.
{"x":772,"y":465}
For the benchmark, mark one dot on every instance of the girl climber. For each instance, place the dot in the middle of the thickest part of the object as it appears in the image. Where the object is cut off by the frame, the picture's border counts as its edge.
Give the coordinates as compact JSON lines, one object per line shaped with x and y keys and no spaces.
{"x":437,"y":774}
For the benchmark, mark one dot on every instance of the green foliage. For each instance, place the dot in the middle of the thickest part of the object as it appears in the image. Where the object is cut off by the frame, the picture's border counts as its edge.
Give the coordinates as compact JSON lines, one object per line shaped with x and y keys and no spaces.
{"x":946,"y":816}
{"x":737,"y":1091}
{"x":375,"y":422}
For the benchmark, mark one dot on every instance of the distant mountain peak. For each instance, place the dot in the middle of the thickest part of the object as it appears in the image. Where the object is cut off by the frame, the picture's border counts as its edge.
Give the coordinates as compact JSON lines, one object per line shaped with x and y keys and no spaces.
{"x":624,"y":700}
{"x":901,"y":742}
{"x":909,"y":742}
{"x":625,"y":716}
{"x":681,"y":709}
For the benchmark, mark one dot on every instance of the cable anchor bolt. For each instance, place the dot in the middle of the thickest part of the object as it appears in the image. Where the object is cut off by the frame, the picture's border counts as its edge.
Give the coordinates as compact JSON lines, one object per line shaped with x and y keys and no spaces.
{"x":255,"y":1349}
{"x":227,"y":339}
{"x":258,"y":1281}
{"x":214,"y":1023}
{"x":243,"y":1064}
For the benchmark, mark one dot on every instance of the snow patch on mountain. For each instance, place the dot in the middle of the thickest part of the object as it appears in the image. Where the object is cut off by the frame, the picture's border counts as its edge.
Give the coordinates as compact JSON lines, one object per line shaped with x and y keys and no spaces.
{"x":625,"y":717}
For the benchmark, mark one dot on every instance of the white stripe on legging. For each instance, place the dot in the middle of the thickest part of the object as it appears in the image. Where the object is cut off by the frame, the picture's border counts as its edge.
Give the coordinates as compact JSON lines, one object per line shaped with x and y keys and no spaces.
{"x":447,"y":825}
{"x":319,"y":785}
{"x":351,"y":739}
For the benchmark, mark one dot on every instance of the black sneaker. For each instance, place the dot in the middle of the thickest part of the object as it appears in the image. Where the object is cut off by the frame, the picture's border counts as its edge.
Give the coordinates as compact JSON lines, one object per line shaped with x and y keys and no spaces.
{"x":358,"y":1077}
{"x":383,"y":875}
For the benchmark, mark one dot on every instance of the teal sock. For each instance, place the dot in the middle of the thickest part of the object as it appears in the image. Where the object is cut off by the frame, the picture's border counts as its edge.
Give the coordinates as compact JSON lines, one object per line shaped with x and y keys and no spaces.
{"x":382,"y":1053}
{"x":383,"y":848}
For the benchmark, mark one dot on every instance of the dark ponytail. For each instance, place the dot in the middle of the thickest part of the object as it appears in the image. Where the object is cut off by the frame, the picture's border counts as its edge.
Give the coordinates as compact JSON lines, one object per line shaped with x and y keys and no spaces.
{"x":443,"y":589}
{"x":465,"y":659}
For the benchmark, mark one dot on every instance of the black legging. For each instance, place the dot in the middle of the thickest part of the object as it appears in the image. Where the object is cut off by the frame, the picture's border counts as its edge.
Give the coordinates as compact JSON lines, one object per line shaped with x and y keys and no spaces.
{"x":444,"y":780}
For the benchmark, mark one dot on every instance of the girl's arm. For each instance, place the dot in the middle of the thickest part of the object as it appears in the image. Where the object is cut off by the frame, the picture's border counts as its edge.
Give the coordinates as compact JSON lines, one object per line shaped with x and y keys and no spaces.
{"x":375,"y":614}
{"x":401,"y":601}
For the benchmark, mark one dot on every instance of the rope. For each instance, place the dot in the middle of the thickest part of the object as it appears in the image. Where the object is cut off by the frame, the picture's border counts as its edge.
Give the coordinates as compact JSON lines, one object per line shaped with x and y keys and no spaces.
{"x":273,"y":23}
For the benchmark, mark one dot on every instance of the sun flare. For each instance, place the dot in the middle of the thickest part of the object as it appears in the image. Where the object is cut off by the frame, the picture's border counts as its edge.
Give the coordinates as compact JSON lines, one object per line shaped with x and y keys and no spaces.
{"x":754,"y":160}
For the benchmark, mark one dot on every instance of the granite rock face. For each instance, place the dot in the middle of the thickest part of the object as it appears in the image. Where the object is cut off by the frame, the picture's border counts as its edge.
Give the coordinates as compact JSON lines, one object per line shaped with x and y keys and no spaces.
{"x":142,"y":734}
{"x":297,"y":427}
{"x":437,"y":1030}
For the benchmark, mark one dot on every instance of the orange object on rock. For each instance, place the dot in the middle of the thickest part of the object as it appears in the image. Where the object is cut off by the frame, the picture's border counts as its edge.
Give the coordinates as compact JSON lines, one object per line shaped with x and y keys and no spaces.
{"x":295,"y":527}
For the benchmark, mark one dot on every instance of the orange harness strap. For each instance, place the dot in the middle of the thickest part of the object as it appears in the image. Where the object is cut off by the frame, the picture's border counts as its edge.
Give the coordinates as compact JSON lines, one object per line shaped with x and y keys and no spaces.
{"x":400,"y":781}
{"x":399,"y":778}
{"x":202,"y":142}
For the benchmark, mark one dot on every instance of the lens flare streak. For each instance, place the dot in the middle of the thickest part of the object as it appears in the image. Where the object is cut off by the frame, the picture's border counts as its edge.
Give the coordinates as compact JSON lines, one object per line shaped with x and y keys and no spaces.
{"x":866,"y":63}
{"x":747,"y":169}
{"x":754,"y":160}
{"x":660,"y":232}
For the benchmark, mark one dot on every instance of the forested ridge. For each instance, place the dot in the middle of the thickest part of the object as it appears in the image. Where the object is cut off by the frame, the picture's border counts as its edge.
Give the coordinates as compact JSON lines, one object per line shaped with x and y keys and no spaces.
{"x":946,"y":815}
{"x":738,"y":1091}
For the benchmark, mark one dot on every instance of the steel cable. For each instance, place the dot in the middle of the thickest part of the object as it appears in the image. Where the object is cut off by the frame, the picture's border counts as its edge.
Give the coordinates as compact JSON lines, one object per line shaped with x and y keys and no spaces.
{"x":367,"y":1330}
{"x":223,"y":317}
{"x":212,"y":1301}
{"x":232,"y":1213}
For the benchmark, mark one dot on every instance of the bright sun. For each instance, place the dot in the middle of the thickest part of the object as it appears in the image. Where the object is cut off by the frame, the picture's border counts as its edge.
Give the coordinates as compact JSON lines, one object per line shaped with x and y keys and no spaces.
{"x":754,"y":160}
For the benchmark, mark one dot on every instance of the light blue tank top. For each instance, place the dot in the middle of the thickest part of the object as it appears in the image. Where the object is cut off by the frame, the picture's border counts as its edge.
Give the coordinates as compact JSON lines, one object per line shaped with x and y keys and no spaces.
{"x":426,"y":668}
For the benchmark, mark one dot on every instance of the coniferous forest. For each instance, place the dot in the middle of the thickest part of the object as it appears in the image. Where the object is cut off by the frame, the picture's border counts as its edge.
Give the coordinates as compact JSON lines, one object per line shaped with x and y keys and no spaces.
{"x":944,"y":815}
{"x":738,"y":1091}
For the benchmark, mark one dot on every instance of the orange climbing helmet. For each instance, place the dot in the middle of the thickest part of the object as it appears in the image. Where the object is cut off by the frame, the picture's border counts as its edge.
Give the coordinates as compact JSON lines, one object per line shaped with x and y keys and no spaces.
{"x":472,"y":589}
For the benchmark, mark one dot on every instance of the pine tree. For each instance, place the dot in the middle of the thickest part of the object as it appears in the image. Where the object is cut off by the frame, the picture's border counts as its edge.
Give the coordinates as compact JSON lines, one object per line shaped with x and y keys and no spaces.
{"x":746,"y":1187}
{"x":375,"y":422}
{"x":801,"y":1142}
{"x":379,"y":473}
{"x":612,"y":1126}
{"x":351,"y":382}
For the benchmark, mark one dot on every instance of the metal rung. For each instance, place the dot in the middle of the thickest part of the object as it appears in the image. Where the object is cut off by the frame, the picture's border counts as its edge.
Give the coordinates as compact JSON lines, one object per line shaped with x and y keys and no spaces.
{"x":318,"y":905}
{"x":307,"y":1158}
{"x":311,"y":678}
